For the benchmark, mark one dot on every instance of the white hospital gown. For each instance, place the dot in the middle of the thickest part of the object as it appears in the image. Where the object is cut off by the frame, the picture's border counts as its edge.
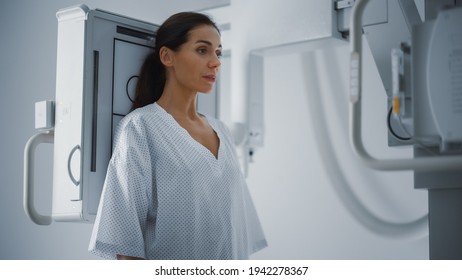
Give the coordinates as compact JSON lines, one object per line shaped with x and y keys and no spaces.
{"x":167,"y":197}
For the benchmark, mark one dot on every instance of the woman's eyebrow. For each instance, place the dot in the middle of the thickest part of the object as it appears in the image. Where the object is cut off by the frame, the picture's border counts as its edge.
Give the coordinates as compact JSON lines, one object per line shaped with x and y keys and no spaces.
{"x":206,"y":42}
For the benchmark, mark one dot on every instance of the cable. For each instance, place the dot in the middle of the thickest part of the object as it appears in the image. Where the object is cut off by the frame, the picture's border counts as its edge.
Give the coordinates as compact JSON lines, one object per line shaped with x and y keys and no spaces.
{"x":417,"y":142}
{"x":391,"y":129}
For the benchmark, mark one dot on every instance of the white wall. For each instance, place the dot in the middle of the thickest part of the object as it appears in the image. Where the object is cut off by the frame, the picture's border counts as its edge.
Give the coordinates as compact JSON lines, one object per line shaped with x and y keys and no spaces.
{"x":301,"y":213}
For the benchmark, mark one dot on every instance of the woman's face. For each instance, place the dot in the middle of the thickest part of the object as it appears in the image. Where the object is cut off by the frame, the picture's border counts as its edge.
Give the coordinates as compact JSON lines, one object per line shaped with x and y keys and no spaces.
{"x":195,"y":65}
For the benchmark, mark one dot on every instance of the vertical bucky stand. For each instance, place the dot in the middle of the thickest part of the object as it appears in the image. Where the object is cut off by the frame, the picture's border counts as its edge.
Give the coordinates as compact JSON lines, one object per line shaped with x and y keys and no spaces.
{"x":444,"y":211}
{"x":437,"y":117}
{"x":445,"y":216}
{"x":437,"y":97}
{"x":98,"y":55}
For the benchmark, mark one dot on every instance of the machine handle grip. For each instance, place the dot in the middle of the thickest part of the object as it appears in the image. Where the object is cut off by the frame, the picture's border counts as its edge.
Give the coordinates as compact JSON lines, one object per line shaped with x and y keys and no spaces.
{"x":69,"y":170}
{"x":29,"y":159}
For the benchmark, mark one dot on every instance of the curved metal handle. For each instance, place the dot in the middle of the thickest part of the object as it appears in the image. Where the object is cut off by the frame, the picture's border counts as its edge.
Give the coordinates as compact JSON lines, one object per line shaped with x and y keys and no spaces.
{"x":76,"y":182}
{"x":29,"y":159}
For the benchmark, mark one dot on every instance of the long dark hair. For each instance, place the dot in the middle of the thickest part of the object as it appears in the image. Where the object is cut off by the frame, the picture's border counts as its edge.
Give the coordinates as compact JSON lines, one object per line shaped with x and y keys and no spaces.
{"x":173,"y":33}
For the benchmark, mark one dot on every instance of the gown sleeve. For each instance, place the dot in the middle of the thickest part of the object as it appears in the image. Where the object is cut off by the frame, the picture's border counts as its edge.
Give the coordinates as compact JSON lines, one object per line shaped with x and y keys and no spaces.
{"x":126,"y":197}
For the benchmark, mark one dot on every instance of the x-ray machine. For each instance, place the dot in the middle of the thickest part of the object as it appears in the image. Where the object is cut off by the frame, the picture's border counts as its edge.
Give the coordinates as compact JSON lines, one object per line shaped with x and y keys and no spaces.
{"x":419,"y":59}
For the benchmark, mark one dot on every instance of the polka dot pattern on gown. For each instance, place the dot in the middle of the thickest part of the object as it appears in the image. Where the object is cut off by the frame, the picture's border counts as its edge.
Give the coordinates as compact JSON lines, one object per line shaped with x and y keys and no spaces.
{"x":167,"y":197}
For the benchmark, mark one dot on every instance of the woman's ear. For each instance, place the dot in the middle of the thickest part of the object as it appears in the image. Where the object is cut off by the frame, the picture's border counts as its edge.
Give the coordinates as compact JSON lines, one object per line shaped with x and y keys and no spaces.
{"x":166,"y":56}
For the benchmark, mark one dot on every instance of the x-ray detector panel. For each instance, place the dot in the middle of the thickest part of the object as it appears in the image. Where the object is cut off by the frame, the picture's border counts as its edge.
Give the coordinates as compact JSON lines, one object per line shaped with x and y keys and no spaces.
{"x":99,"y":56}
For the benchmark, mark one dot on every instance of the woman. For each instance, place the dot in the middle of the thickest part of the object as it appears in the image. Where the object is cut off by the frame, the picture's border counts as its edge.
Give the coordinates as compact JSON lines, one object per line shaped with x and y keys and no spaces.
{"x":174,"y":189}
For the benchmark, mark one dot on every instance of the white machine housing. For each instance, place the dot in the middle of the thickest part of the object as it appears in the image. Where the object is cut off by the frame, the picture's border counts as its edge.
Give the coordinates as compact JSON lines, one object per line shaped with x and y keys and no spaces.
{"x":98,"y":58}
{"x":437,"y":81}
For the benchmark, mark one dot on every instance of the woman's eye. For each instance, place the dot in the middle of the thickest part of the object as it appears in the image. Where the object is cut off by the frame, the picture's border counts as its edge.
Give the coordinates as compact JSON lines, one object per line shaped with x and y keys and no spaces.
{"x":202,"y":51}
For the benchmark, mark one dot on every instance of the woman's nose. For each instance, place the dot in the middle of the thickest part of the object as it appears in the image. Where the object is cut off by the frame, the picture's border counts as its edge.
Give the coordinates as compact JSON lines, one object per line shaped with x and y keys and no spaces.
{"x":215,"y":62}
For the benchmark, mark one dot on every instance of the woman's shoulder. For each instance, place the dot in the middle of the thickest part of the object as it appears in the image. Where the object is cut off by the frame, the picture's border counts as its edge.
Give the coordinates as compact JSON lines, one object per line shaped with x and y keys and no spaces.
{"x":141,"y":115}
{"x":138,"y":120}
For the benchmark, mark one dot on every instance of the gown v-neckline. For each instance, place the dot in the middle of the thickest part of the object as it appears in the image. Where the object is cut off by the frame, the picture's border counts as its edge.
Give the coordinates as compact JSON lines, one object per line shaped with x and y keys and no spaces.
{"x":192,"y":139}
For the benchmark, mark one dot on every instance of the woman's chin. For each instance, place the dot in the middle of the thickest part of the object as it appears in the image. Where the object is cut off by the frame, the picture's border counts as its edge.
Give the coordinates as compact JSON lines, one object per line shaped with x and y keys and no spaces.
{"x":205,"y":90}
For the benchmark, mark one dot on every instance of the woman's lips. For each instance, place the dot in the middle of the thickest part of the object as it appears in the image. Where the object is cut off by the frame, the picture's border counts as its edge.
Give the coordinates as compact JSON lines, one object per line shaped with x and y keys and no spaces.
{"x":210,"y":78}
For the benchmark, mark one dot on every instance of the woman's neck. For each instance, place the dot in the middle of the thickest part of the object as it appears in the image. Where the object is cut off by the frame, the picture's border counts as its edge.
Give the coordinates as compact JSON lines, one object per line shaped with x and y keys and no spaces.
{"x":179,"y":103}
